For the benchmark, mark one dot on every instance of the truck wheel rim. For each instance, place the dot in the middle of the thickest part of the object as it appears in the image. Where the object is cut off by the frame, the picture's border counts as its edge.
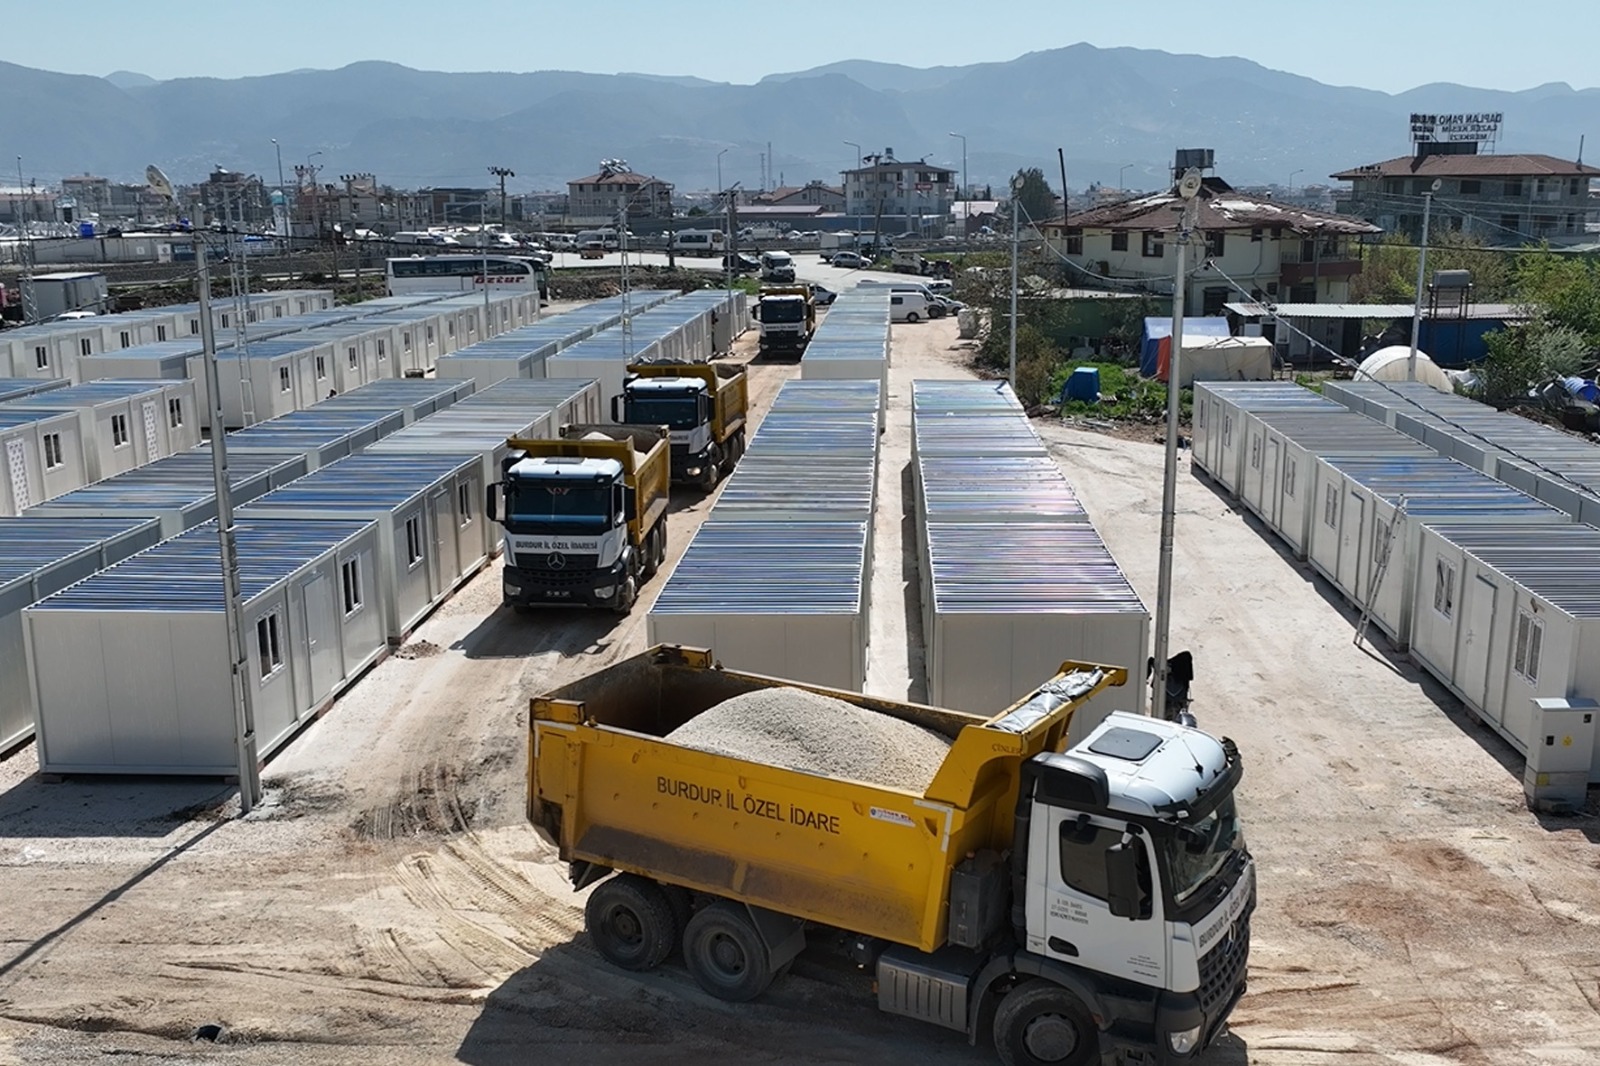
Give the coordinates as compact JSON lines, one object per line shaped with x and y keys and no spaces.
{"x":726,"y":956}
{"x":1050,"y":1037}
{"x":624,"y":926}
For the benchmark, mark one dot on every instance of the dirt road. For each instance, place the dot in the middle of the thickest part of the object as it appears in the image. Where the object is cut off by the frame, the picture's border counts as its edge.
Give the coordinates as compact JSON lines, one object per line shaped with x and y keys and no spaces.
{"x":390,"y":905}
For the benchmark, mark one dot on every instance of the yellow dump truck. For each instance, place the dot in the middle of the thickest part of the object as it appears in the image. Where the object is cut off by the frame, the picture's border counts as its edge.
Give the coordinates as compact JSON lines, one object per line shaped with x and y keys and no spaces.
{"x":703,"y":404}
{"x":1061,"y":904}
{"x":585,"y":516}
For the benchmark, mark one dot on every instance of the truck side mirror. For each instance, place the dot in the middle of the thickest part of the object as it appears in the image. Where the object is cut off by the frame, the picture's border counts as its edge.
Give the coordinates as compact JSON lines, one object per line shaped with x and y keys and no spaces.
{"x":491,"y":501}
{"x":1127,"y":891}
{"x":616,"y":408}
{"x":755,"y":312}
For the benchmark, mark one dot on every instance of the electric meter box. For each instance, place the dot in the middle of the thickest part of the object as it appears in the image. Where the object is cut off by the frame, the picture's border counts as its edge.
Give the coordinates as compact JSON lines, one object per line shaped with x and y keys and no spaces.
{"x":1556,"y":777}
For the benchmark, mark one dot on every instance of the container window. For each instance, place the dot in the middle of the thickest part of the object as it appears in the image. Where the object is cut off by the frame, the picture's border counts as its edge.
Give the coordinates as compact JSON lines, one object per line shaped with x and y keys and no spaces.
{"x":269,"y":650}
{"x":450,"y":328}
{"x":350,"y":354}
{"x":1255,"y":454}
{"x":413,"y":541}
{"x":350,"y":580}
{"x":277,"y":312}
{"x":127,"y":340}
{"x":283,"y":379}
{"x":52,"y":451}
{"x":430,"y":334}
{"x":1330,"y":508}
{"x":322,"y":368}
{"x":194,"y":326}
{"x":224,"y":320}
{"x":41,"y":357}
{"x":464,"y":503}
{"x":85,"y":346}
{"x":405,"y":338}
{"x":119,"y":430}
{"x":161,"y":333}
{"x":1444,"y":588}
{"x":382,"y":352}
{"x":175,"y":412}
{"x":1288,"y":477}
{"x":1530,"y":642}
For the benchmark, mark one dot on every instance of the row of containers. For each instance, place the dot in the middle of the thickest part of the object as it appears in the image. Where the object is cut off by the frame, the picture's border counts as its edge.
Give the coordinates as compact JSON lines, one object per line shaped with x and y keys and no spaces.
{"x":1015,"y":580}
{"x":405,"y":460}
{"x":853,"y":342}
{"x":304,"y":360}
{"x":1488,"y":588}
{"x":776,"y":579}
{"x":53,"y":349}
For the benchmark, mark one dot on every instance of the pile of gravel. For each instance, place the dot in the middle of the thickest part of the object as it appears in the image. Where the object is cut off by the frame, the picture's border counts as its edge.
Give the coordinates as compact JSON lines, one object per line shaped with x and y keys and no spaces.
{"x":801,"y":730}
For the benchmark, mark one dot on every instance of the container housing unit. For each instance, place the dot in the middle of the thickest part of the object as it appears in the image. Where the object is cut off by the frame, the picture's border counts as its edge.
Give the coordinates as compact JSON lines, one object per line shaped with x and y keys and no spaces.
{"x":432,"y":536}
{"x":1014,"y":579}
{"x":1218,"y":443}
{"x":322,"y":436}
{"x":413,"y":398}
{"x":17,"y":388}
{"x":852,"y":342}
{"x":1508,"y":614}
{"x":125,"y":424}
{"x":41,"y":456}
{"x":775,"y":581}
{"x":38,"y":559}
{"x":130,"y":667}
{"x":178,"y":490}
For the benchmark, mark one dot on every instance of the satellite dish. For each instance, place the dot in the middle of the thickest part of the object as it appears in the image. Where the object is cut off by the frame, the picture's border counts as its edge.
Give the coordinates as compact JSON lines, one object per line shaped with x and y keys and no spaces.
{"x":1437,"y":183}
{"x":158,"y":181}
{"x":1189,"y":186}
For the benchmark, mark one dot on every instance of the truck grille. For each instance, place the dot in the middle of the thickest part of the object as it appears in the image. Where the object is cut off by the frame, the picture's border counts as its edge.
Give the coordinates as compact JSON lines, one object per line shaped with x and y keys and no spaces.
{"x":539,"y":563}
{"x":1222,"y":967}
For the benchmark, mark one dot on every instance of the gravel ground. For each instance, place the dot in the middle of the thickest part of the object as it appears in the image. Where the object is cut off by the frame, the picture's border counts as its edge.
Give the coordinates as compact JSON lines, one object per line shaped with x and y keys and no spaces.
{"x":391,"y":905}
{"x":817,"y":735}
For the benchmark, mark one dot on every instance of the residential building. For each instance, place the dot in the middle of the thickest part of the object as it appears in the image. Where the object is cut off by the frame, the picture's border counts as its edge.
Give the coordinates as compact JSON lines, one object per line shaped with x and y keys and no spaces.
{"x":235,"y":199}
{"x":599,"y":198}
{"x":1506,"y":200}
{"x":811,"y":194}
{"x":1272,"y":251}
{"x":900,"y":195}
{"x":91,"y":195}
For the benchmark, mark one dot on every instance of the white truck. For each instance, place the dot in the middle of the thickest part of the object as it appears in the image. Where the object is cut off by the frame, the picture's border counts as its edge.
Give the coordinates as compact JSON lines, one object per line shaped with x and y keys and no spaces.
{"x":777,"y":267}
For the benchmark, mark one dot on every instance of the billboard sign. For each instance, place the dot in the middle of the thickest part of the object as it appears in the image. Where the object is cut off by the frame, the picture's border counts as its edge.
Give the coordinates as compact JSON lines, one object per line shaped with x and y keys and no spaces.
{"x":1473,"y":127}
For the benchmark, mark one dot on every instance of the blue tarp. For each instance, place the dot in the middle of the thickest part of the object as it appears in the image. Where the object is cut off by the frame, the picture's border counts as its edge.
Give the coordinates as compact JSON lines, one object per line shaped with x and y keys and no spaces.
{"x":1157,"y":329}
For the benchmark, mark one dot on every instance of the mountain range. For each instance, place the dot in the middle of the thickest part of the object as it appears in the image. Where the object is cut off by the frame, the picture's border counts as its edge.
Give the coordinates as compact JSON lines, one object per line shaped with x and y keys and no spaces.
{"x":1107,"y":108}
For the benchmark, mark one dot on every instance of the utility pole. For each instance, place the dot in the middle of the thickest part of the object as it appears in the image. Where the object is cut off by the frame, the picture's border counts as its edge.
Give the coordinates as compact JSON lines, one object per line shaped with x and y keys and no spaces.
{"x":30,"y":302}
{"x":1422,"y":274}
{"x":502,"y":173}
{"x":1016,"y":213}
{"x":1066,"y":204}
{"x":1188,"y":191}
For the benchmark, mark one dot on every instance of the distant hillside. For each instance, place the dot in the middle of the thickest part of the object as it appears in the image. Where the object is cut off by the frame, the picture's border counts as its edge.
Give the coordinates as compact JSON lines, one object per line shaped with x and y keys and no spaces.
{"x":1105,"y":107}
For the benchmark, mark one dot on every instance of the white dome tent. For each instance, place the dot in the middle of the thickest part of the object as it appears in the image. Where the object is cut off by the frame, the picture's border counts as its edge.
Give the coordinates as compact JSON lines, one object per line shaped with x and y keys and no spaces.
{"x":1389,"y":364}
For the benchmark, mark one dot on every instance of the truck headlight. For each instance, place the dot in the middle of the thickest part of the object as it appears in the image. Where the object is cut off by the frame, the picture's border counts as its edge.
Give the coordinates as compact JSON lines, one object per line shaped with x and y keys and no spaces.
{"x":513,"y":590}
{"x":603,"y":591}
{"x":1184,"y":1041}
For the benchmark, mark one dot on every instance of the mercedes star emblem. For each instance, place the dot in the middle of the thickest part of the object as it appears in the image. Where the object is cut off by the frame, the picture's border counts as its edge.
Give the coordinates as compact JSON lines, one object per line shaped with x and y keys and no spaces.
{"x":555,"y":561}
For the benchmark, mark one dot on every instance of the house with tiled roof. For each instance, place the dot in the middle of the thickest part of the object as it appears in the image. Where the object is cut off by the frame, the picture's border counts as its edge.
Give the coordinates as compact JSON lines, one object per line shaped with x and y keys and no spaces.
{"x":1270,"y":251}
{"x":1506,"y":200}
{"x":598,"y":199}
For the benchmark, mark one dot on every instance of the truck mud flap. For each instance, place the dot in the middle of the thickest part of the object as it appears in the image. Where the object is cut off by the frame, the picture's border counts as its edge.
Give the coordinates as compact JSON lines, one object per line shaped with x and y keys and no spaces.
{"x":784,"y":935}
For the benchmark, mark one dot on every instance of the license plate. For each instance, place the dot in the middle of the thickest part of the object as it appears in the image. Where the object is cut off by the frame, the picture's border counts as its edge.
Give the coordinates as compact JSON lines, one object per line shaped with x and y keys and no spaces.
{"x":557,"y":594}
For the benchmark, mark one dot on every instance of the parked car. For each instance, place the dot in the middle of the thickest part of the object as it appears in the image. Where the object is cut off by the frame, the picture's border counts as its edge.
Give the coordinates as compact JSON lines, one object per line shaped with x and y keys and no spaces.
{"x":850,"y":261}
{"x":823,"y":296}
{"x":740,"y":263}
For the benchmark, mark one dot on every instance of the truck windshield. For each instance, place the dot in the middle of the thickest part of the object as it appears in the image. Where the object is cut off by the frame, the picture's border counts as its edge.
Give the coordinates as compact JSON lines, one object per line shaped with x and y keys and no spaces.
{"x":1195,"y":855}
{"x":674,"y":412}
{"x":555,"y":503}
{"x":782,"y":311}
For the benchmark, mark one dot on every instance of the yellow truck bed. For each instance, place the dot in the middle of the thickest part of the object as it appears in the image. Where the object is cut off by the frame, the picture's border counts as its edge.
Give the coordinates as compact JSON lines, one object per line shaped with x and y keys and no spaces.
{"x":607,"y":789}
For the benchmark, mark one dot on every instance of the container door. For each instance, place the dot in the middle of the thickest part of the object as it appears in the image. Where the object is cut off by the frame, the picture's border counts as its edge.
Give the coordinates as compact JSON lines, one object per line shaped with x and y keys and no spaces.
{"x":322,"y":636}
{"x":1269,"y":481}
{"x":1477,"y":643}
{"x":152,"y":432}
{"x":17,"y":475}
{"x":1352,"y":524}
{"x":446,"y":554}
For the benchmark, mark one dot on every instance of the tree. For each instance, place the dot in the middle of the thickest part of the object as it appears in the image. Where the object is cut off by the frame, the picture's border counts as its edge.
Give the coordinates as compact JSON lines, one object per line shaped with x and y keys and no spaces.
{"x":1524,"y":356}
{"x":1033,"y":193}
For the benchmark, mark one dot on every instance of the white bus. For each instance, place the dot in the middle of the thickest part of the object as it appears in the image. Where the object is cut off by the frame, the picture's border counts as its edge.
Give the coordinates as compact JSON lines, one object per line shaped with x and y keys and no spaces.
{"x":700,"y":242}
{"x":465,"y":273}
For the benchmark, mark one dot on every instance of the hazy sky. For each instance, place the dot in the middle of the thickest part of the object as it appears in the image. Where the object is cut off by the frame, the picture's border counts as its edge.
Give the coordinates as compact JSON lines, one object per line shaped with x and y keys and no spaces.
{"x":1378,"y":44}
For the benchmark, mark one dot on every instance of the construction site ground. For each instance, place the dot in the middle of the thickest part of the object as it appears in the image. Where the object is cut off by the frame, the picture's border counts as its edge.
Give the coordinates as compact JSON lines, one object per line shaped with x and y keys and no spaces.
{"x":389,"y":904}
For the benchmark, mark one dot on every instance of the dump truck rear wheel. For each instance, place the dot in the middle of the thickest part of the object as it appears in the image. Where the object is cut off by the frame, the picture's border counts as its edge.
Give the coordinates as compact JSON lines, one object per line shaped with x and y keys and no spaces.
{"x":725,"y":954}
{"x":631,"y":922}
{"x":1041,"y":1023}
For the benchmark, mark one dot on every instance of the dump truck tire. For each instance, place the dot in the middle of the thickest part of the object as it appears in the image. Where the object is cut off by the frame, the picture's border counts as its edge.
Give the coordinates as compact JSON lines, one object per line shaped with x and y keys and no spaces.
{"x":726,"y":955}
{"x":631,"y":922}
{"x":1040,"y":1023}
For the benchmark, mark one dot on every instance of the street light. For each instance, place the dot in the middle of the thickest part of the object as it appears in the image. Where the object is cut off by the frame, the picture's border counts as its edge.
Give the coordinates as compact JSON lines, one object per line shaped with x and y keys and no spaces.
{"x":727,"y":238}
{"x":964,"y":185}
{"x":1121,"y":184}
{"x":1302,"y":170}
{"x":283,"y":197}
{"x":316,"y":211}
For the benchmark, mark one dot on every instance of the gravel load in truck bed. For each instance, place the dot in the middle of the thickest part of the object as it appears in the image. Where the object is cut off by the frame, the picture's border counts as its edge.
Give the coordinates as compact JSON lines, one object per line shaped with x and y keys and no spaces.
{"x":802,"y":730}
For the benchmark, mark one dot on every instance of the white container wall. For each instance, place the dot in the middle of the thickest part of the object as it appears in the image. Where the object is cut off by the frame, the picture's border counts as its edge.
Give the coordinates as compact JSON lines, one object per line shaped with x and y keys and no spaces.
{"x":1507,"y":614}
{"x":852,"y":342}
{"x":432,"y":535}
{"x":1219,"y":443}
{"x":775,"y":581}
{"x":130,"y":667}
{"x":38,"y":559}
{"x":41,"y":457}
{"x":1015,"y":581}
{"x":126,"y":424}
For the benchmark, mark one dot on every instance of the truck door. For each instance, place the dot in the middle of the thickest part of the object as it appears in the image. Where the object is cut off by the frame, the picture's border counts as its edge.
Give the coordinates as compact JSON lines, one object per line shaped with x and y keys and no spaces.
{"x":1068,"y":916}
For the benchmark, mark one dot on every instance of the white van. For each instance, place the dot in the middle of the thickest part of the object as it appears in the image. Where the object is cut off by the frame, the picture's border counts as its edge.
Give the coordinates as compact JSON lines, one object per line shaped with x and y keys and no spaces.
{"x":907,"y":306}
{"x":699,"y":242}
